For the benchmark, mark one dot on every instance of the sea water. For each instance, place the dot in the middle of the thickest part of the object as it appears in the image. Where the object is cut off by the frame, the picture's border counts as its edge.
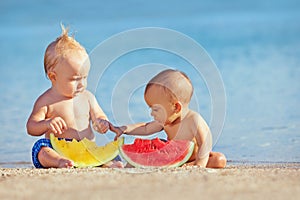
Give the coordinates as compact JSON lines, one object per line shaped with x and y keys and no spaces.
{"x":254,"y":45}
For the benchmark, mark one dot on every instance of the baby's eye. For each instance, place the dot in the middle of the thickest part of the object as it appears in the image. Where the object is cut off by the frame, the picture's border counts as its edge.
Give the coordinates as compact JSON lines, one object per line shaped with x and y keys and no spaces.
{"x":154,"y":109}
{"x":76,"y":79}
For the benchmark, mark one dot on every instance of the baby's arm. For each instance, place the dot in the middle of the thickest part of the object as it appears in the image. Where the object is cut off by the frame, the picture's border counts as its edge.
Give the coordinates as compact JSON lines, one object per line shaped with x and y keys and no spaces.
{"x":137,"y":129}
{"x":99,"y":119}
{"x":204,"y":142}
{"x":37,"y":123}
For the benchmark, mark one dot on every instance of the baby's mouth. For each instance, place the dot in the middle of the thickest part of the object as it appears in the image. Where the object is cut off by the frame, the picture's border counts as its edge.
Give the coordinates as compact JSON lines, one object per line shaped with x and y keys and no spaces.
{"x":79,"y":91}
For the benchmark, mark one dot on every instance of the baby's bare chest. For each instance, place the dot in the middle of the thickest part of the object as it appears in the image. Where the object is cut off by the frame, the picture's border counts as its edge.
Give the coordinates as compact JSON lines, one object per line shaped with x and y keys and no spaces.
{"x":69,"y":110}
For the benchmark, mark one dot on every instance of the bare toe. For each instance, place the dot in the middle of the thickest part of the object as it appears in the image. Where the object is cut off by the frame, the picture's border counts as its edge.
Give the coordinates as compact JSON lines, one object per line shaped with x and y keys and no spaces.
{"x":65,"y":163}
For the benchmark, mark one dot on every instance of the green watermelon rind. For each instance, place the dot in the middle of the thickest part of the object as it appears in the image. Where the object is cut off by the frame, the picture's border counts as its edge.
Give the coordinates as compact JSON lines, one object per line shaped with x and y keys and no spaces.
{"x":173,"y":165}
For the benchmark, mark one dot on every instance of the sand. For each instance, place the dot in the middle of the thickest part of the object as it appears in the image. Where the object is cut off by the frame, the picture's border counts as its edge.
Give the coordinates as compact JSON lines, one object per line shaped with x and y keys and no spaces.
{"x":272,"y":181}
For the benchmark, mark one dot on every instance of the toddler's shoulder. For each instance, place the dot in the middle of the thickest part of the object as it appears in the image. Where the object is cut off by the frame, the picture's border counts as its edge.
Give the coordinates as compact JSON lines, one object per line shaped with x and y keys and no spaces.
{"x":44,"y":98}
{"x":193,"y":115}
{"x":195,"y":118}
{"x":89,"y":96}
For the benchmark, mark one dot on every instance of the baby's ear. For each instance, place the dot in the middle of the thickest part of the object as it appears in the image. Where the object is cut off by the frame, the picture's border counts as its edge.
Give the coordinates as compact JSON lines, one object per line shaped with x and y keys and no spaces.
{"x":178,"y":107}
{"x":52,"y":76}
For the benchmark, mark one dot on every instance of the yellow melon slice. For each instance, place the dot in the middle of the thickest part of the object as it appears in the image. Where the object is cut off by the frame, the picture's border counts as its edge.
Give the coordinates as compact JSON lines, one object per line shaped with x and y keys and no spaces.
{"x":86,"y":153}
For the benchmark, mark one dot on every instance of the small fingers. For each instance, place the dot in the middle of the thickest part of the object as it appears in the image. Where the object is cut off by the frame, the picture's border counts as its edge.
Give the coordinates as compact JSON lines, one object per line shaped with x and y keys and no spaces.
{"x":113,"y":128}
{"x":57,"y":125}
{"x":52,"y":128}
{"x":101,"y":125}
{"x":63,"y":125}
{"x":104,"y":129}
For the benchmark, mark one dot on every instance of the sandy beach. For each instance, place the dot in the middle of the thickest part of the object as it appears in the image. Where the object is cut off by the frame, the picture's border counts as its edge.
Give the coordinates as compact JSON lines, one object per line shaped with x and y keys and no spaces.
{"x":263,"y":181}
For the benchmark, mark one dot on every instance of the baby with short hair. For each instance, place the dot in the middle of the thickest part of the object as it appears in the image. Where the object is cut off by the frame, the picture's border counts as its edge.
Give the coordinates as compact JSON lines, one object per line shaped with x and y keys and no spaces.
{"x":168,"y":94}
{"x":67,"y":107}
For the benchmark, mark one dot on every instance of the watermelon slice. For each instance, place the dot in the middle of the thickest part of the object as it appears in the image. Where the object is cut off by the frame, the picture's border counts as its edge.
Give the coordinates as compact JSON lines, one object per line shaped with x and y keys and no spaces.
{"x":145,"y":153}
{"x":86,"y":153}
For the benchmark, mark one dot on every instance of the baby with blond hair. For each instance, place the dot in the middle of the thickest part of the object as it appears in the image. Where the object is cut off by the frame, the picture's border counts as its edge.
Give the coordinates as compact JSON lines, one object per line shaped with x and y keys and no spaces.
{"x":168,"y":94}
{"x":67,"y":107}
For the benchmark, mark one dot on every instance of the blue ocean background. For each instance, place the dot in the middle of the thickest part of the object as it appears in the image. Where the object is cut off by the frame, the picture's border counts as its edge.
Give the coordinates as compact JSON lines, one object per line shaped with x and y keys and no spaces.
{"x":255,"y":45}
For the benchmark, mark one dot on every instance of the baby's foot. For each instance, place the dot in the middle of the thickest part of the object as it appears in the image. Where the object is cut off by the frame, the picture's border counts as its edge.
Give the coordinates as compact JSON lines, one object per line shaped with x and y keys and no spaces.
{"x":65,"y":163}
{"x":113,"y":164}
{"x":129,"y":166}
{"x":116,"y":164}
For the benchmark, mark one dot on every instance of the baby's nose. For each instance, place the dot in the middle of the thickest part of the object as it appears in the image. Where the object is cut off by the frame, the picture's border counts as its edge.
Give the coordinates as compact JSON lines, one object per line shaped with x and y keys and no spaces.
{"x":81,"y":83}
{"x":152,"y":114}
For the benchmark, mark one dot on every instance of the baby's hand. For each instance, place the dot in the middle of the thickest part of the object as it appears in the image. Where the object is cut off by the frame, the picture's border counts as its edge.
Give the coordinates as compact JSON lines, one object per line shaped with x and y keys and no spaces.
{"x":57,"y":125}
{"x":117,"y":130}
{"x":101,"y":125}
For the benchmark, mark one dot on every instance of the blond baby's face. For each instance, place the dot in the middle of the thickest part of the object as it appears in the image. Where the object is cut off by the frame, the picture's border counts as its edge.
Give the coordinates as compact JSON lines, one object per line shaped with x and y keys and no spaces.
{"x":162,"y":108}
{"x":69,"y":77}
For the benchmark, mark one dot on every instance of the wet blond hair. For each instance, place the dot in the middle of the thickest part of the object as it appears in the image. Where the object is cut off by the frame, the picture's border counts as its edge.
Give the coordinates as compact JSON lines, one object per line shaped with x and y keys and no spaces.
{"x":175,"y":84}
{"x":63,"y":46}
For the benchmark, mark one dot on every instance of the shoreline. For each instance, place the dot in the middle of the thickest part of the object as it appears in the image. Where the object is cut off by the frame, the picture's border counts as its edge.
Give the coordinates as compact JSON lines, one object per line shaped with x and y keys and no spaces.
{"x":263,"y":181}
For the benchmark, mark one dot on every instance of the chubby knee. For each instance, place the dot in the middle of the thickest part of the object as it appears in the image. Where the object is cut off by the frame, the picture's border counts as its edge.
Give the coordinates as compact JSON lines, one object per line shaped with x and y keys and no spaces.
{"x":216,"y":160}
{"x":221,"y":160}
{"x":43,"y":151}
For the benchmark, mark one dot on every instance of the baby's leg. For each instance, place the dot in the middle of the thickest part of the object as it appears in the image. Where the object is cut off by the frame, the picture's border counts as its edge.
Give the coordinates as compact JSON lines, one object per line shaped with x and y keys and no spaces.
{"x":216,"y":160}
{"x":50,"y":158}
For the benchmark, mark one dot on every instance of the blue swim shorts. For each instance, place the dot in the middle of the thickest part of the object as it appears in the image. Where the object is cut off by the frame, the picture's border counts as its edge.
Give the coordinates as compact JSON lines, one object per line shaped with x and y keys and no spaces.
{"x":36,"y":149}
{"x":46,"y":143}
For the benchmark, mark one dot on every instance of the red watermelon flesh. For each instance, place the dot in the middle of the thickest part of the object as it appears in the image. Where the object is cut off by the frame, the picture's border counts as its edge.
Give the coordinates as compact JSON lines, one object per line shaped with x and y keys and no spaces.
{"x":157,"y":153}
